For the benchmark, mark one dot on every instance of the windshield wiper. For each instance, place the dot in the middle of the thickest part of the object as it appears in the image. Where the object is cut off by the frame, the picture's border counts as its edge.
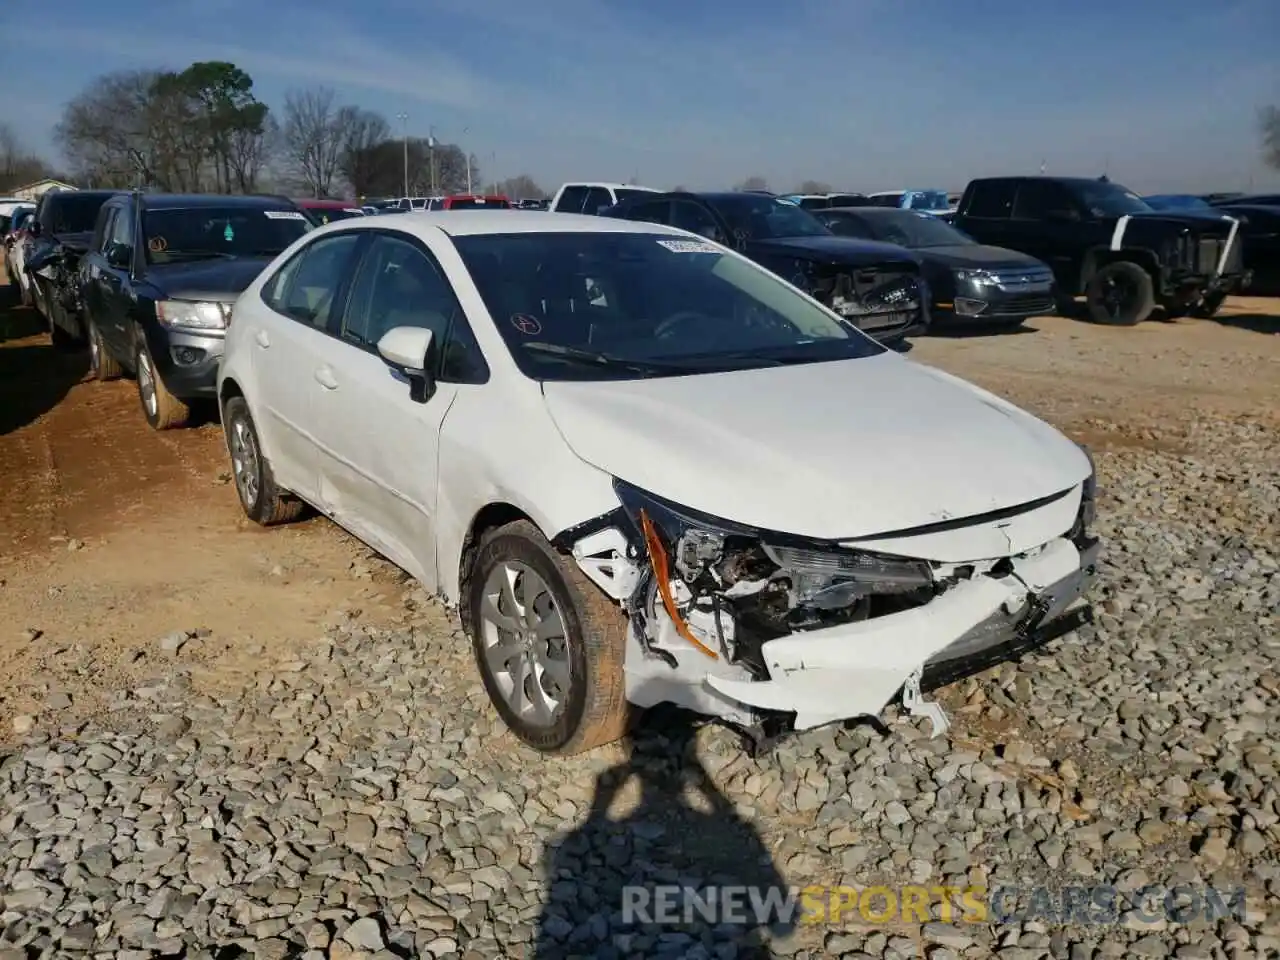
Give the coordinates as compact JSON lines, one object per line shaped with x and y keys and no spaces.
{"x":198,"y":254}
{"x":595,"y":359}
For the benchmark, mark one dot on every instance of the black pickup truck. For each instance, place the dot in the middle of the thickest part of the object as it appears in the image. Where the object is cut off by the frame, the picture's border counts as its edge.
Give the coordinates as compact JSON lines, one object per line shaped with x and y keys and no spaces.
{"x":1105,"y":241}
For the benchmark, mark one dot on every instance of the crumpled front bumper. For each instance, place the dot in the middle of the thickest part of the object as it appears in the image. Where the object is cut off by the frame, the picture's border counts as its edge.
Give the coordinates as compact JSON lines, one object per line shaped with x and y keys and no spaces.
{"x":855,"y":669}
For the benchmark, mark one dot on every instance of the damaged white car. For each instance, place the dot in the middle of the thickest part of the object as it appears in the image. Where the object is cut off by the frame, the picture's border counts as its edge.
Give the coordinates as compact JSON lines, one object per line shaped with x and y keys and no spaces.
{"x":646,"y":469}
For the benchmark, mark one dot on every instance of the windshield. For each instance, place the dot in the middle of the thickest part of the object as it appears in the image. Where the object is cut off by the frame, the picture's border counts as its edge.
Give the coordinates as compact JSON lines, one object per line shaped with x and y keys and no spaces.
{"x":202,"y":232}
{"x":611,"y":306}
{"x":928,"y":200}
{"x":1105,"y":199}
{"x":767,"y":218}
{"x":482,"y":203}
{"x":909,"y":229}
{"x":622,"y":193}
{"x":323,"y":215}
{"x":72,"y":213}
{"x":1176,"y":203}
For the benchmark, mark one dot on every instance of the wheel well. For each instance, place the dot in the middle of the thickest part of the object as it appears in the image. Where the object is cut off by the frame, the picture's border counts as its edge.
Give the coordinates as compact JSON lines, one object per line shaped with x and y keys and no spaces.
{"x":490,"y":517}
{"x":1097,"y":259}
{"x":228,"y":390}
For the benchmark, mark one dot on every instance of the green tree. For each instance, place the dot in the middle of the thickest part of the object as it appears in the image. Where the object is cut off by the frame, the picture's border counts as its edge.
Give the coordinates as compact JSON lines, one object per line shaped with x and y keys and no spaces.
{"x":1269,"y":124}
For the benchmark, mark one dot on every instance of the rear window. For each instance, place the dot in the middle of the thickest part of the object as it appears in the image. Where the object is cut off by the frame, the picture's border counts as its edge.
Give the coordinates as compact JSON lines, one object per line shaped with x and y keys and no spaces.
{"x":73,"y":213}
{"x":622,"y":193}
{"x":472,"y":203}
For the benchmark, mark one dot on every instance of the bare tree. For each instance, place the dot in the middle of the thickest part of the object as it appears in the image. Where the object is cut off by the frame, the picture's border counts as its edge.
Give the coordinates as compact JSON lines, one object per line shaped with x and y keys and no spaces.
{"x":248,"y":153}
{"x":522,"y":187}
{"x":312,"y":138}
{"x":361,"y":163}
{"x":755,"y":182}
{"x":1269,"y":123}
{"x":813,"y":186}
{"x":17,"y":164}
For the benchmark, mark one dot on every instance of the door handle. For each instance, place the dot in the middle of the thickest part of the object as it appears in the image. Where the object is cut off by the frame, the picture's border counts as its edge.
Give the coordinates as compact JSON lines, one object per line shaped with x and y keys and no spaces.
{"x":326,"y":379}
{"x":263,"y":340}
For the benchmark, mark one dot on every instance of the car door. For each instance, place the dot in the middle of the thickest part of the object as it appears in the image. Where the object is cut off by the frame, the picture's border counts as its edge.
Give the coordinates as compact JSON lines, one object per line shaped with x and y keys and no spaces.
{"x":1049,"y":224}
{"x":287,"y":340}
{"x":93,"y":264}
{"x":115,"y":286}
{"x":986,"y":214}
{"x":378,"y":446}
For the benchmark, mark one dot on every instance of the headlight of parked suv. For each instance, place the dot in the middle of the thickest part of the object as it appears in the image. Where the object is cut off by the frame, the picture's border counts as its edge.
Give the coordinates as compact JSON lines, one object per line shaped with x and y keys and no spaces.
{"x":980,"y":278}
{"x":193,"y":314}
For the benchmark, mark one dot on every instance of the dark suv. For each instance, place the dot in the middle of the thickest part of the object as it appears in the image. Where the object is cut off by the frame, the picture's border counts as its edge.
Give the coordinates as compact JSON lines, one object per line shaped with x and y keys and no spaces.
{"x":1106,"y":242}
{"x":60,"y":231}
{"x":877,"y":287}
{"x":158,"y":282}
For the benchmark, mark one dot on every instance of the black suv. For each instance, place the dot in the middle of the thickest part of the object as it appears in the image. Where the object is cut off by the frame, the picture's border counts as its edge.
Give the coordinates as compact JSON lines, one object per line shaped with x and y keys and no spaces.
{"x":60,"y":230}
{"x":158,"y":282}
{"x":877,"y":287}
{"x":1105,"y":241}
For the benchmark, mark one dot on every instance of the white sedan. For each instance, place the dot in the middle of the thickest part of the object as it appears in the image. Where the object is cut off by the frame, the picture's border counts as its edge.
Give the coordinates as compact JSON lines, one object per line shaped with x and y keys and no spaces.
{"x":646,"y":469}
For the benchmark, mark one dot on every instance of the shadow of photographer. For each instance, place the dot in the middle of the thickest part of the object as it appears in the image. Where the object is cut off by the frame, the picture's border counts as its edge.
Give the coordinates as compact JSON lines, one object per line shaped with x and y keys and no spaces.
{"x":654,"y":880}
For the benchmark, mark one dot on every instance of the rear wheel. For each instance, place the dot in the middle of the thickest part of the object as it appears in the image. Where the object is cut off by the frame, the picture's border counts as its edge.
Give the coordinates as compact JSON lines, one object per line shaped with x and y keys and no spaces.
{"x":549,"y":645}
{"x":162,"y":409}
{"x":1121,"y":294}
{"x":263,"y":502}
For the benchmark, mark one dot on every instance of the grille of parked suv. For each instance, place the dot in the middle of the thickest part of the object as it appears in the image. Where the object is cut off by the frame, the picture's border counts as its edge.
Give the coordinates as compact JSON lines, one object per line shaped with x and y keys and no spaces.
{"x":1210,"y":249}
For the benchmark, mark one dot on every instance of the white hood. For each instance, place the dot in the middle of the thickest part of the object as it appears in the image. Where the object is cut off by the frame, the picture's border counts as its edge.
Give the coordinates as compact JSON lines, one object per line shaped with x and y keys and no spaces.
{"x":829,"y":450}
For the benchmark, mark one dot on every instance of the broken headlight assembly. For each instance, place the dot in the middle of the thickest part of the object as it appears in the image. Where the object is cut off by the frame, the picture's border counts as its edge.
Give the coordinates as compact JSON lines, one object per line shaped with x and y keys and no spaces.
{"x":1088,"y":499}
{"x":728,"y":588}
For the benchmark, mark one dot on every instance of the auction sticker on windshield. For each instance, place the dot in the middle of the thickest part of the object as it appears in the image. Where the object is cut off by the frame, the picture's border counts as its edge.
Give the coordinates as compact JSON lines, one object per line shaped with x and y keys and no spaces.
{"x":283,"y":215}
{"x":526,"y":324}
{"x":688,"y":246}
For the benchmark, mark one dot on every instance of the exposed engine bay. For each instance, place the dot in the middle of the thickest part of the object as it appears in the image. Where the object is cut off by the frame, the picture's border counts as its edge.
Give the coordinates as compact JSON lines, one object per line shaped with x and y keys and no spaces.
{"x":761,"y":628}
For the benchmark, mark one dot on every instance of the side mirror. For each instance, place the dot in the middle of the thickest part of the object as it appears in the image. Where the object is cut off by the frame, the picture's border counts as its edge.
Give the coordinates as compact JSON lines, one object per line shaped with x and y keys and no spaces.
{"x":33,"y":228}
{"x":118,"y":255}
{"x":406,"y":350}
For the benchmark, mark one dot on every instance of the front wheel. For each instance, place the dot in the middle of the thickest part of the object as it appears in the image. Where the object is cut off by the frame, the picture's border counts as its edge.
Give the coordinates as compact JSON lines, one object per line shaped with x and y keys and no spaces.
{"x":263,"y":502}
{"x":162,"y":409}
{"x":1121,"y":294}
{"x":549,"y":645}
{"x":1208,"y":308}
{"x":102,"y":364}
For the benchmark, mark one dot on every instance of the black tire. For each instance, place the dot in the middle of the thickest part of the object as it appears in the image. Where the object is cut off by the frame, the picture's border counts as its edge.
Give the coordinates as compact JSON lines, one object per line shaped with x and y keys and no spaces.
{"x":595,"y":708}
{"x":1208,"y":308}
{"x":102,"y":365}
{"x":271,"y":504}
{"x":167,"y":412}
{"x":1120,"y":294}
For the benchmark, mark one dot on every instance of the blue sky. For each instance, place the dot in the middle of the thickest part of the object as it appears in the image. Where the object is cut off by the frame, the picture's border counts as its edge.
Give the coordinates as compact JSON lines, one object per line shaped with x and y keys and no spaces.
{"x":864,"y":94}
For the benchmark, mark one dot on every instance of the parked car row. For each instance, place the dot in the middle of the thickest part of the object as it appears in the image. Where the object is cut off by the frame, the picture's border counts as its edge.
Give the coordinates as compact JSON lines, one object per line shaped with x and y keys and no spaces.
{"x":596,"y":436}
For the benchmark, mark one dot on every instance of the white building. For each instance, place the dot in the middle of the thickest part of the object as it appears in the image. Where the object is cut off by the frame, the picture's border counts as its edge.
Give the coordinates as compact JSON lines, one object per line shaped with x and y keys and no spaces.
{"x":37,"y":189}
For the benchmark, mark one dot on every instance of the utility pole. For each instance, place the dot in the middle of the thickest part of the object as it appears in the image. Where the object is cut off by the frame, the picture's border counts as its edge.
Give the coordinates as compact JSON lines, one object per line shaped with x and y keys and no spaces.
{"x":404,"y":118}
{"x":431,"y":146}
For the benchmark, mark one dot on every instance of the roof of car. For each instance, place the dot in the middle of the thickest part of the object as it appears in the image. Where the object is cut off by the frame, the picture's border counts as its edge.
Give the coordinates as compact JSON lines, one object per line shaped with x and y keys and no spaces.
{"x":610,"y":185}
{"x":187,"y":200}
{"x":467,"y":223}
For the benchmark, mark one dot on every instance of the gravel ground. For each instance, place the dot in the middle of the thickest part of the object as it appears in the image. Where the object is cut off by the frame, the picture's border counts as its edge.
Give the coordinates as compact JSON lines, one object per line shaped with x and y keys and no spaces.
{"x":358,"y":797}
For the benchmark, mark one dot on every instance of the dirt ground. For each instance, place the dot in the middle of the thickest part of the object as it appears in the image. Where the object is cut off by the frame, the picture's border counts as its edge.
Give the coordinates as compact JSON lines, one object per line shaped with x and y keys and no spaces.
{"x":114,"y":537}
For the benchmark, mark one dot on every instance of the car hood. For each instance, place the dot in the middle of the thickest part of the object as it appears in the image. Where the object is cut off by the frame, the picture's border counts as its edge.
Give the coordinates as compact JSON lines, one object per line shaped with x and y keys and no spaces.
{"x":218,"y":280}
{"x":831,"y":249}
{"x":829,"y":450}
{"x":976,"y":255}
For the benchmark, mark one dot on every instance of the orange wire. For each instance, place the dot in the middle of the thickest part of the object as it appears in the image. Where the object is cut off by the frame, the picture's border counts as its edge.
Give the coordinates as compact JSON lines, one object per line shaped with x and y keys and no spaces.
{"x":658,"y":558}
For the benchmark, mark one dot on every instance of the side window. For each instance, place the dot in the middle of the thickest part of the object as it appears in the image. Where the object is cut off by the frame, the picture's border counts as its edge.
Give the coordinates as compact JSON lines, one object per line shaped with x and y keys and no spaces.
{"x":696,"y":219}
{"x":305,"y":287}
{"x":652,"y":211}
{"x":1037,"y":199}
{"x":122,"y":227}
{"x":992,"y":199}
{"x":597,"y":197}
{"x":397,"y":285}
{"x":102,"y":232}
{"x":571,"y":200}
